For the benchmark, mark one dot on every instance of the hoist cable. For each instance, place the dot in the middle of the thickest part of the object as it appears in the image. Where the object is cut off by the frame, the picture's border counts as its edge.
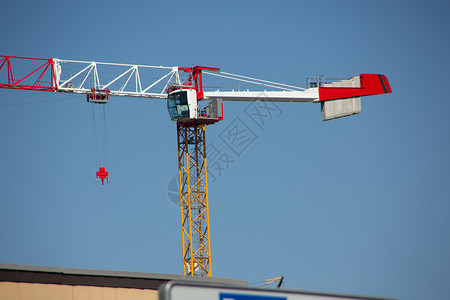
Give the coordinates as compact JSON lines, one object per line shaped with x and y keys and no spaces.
{"x":97,"y":154}
{"x":104,"y":136}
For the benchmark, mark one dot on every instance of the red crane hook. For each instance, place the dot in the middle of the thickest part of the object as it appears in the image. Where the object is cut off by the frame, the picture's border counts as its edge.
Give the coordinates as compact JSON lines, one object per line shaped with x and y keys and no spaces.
{"x":102,"y":174}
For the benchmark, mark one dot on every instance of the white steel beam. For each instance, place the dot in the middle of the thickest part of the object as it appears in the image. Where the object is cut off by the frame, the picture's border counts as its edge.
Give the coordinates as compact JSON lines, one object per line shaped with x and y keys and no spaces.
{"x":309,"y":95}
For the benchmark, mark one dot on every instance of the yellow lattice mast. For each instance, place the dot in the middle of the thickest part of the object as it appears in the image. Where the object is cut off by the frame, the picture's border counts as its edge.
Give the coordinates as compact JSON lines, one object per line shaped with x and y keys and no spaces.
{"x":194,"y":200}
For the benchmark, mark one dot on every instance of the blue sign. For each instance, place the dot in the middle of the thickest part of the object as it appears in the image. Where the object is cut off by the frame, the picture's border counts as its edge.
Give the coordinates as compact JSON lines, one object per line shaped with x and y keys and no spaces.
{"x":229,"y":296}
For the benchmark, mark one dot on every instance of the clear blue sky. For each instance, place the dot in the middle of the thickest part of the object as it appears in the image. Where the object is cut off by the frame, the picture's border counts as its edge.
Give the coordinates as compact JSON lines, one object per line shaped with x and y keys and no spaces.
{"x":357,"y":205}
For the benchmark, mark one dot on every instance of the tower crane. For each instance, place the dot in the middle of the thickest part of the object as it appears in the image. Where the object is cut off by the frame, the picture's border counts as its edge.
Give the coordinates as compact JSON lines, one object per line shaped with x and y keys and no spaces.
{"x":192,"y":107}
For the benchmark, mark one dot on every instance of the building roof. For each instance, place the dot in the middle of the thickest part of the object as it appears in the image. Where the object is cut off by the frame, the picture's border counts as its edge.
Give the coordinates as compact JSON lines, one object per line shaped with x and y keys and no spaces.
{"x":103,"y":278}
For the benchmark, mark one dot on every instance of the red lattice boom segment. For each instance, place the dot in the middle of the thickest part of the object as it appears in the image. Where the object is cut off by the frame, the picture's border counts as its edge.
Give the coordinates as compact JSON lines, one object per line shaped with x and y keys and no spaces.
{"x":39,"y":74}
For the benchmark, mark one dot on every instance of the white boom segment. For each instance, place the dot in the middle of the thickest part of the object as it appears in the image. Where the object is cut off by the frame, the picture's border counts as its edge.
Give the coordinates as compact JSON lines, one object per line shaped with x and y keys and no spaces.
{"x":120,"y":79}
{"x":282,"y":92}
{"x":309,"y":95}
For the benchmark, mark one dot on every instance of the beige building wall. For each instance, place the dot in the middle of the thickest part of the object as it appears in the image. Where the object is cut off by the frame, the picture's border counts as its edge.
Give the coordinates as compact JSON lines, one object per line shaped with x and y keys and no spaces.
{"x":39,"y":291}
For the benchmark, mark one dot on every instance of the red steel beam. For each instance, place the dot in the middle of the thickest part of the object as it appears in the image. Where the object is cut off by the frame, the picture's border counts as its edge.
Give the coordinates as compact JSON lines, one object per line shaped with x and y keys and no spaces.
{"x":38,"y":84}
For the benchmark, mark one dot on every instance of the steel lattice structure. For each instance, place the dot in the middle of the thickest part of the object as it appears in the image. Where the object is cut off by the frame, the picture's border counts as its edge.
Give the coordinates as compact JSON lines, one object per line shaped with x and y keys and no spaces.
{"x":193,"y":179}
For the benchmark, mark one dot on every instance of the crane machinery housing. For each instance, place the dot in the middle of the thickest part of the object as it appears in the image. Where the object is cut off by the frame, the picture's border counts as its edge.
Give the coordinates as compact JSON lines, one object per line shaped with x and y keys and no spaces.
{"x":186,"y":105}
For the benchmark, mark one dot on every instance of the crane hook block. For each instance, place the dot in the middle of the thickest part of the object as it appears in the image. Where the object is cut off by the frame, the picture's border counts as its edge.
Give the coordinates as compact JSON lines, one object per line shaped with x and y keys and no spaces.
{"x":102,"y":174}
